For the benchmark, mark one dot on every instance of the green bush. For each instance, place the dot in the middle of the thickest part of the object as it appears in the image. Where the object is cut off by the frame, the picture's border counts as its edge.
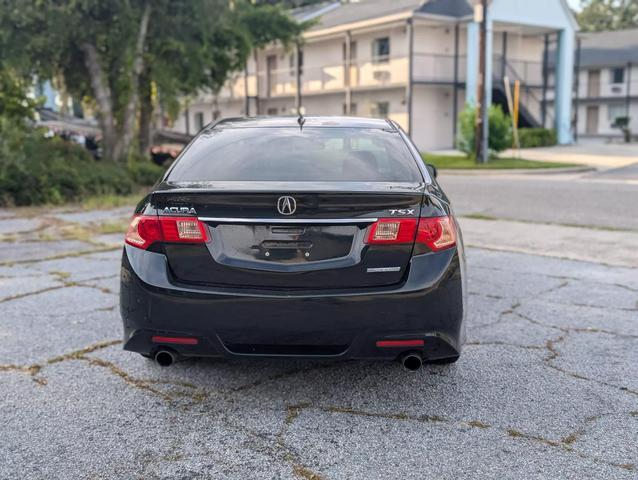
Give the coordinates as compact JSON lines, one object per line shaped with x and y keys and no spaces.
{"x":36,"y":170}
{"x":500,"y":133}
{"x":143,"y":171}
{"x":536,"y":137}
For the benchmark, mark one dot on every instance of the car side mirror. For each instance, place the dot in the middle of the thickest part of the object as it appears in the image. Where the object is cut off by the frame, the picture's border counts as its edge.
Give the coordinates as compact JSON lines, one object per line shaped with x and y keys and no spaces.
{"x":432,"y":169}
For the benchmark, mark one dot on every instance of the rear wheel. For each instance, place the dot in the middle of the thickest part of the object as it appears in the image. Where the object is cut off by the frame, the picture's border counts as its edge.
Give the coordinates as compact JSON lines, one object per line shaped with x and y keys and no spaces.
{"x":443,"y":361}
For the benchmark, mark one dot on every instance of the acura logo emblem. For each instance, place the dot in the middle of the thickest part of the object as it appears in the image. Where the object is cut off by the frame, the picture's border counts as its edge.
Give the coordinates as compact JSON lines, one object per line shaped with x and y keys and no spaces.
{"x":286,"y":205}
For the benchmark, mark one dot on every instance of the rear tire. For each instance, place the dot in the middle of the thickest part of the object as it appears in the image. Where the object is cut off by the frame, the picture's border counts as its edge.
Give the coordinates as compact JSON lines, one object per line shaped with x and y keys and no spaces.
{"x":444,"y":361}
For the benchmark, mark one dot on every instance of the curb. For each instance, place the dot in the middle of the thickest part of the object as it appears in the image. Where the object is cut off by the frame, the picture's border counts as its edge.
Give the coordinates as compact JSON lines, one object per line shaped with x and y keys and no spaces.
{"x":516,"y":171}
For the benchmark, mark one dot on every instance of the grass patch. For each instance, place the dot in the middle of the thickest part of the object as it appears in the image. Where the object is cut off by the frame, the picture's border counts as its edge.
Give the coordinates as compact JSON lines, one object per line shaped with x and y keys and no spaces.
{"x":104,"y":202}
{"x":112,"y":227}
{"x":461,"y":162}
{"x":479,"y":216}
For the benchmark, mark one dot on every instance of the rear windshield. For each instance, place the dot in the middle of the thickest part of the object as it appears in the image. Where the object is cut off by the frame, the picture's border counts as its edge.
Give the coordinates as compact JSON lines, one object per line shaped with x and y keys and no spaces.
{"x":287,"y":154}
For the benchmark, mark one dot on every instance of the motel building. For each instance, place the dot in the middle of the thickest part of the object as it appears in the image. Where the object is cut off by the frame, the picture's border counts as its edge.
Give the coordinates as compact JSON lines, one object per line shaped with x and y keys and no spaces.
{"x":412,"y":61}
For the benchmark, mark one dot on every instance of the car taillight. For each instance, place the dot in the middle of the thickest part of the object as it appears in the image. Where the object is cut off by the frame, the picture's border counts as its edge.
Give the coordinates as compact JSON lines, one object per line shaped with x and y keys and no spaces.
{"x":437,"y":233}
{"x":392,"y":231}
{"x":145,"y":230}
{"x":183,"y":229}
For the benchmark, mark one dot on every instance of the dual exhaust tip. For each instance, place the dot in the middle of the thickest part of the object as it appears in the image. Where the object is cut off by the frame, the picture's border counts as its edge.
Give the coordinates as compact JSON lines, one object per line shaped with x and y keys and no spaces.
{"x":411,"y":361}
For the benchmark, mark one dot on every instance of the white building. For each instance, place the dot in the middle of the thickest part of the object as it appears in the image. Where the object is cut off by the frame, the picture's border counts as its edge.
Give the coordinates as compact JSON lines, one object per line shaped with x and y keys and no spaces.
{"x":607,"y":83}
{"x":413,"y":61}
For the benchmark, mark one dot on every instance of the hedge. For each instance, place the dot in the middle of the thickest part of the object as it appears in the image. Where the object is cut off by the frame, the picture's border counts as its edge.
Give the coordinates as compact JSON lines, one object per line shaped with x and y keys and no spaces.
{"x":499,"y":135}
{"x":537,"y":137}
{"x":36,"y":170}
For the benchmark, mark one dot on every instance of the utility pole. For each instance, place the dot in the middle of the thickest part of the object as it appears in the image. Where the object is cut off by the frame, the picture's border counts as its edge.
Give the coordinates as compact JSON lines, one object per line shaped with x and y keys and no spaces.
{"x":482,"y":125}
{"x":298,"y":100}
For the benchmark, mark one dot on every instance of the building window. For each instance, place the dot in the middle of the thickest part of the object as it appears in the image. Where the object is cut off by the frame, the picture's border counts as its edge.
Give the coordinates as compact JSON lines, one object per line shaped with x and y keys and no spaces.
{"x":617,"y":75}
{"x":199,"y":120}
{"x":380,"y":109}
{"x":272,"y":111}
{"x":381,"y":50}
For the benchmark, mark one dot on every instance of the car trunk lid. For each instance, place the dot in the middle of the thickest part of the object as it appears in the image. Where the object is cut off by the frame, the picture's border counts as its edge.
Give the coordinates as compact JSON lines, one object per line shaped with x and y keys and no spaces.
{"x":258,"y":240}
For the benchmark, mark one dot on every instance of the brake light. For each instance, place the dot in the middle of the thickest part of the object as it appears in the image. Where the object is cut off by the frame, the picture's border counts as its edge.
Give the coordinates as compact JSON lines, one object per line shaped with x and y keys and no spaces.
{"x":392,"y":231}
{"x":145,"y":230}
{"x":438,"y":233}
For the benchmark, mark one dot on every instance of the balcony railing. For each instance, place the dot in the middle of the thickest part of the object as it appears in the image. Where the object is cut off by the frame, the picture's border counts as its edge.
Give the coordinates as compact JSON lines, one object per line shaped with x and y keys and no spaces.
{"x":372,"y":73}
{"x":330,"y":78}
{"x":428,"y":67}
{"x":529,"y":73}
{"x":599,"y":89}
{"x":281,"y":82}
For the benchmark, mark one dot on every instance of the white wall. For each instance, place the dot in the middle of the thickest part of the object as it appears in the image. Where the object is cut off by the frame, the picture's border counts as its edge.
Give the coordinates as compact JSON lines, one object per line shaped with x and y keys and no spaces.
{"x":434,"y":39}
{"x":604,"y":122}
{"x":432,"y":117}
{"x":228,"y":108}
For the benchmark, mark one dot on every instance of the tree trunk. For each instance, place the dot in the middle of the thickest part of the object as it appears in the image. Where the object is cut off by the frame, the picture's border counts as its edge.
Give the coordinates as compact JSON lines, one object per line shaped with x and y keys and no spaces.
{"x":103,"y":98}
{"x":146,"y":117}
{"x":127,"y":132}
{"x":117,"y":141}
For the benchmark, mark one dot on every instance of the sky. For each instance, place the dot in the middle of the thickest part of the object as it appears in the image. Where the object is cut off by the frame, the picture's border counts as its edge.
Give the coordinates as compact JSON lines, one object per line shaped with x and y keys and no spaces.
{"x":575,"y":4}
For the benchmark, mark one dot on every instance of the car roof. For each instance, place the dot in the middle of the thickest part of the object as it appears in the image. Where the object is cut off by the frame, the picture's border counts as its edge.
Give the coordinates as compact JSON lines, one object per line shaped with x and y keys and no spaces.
{"x":309,"y":121}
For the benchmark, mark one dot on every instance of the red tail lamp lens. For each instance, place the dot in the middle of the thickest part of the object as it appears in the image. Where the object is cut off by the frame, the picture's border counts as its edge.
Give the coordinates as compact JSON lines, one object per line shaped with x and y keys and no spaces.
{"x":392,"y":231}
{"x":145,"y":230}
{"x":183,"y":229}
{"x":438,"y":233}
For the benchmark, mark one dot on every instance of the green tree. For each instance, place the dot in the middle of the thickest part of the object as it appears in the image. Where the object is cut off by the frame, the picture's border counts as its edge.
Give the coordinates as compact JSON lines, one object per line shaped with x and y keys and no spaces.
{"x":113,"y":51}
{"x":15,"y":102}
{"x":597,"y":15}
{"x":189,"y":49}
{"x":499,"y":135}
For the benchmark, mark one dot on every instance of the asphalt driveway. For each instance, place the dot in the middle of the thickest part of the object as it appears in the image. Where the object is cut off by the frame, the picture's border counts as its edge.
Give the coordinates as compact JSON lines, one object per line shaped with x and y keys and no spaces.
{"x":547,"y":386}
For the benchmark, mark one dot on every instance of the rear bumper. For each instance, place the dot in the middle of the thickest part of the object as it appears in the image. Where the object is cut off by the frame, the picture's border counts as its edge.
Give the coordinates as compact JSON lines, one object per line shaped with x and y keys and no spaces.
{"x":429,"y":305}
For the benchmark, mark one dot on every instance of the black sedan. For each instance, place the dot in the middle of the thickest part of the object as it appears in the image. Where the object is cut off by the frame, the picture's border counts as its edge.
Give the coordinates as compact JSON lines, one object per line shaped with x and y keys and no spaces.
{"x":317,"y":237}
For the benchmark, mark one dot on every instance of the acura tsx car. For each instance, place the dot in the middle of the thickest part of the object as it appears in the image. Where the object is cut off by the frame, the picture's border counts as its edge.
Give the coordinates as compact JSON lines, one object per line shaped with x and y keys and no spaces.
{"x":295,"y":237}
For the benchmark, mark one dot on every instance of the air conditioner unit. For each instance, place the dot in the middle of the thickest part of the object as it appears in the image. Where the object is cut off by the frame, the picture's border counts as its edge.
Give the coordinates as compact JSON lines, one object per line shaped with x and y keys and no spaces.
{"x":382,"y":76}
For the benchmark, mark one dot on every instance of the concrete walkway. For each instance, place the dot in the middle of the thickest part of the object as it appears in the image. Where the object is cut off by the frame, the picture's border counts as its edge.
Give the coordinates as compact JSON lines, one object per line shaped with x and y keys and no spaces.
{"x":598,"y":155}
{"x":575,"y":243}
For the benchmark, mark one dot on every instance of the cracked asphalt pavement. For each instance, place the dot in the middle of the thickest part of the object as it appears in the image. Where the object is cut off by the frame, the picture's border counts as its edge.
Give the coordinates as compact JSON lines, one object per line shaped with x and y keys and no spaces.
{"x":547,"y":386}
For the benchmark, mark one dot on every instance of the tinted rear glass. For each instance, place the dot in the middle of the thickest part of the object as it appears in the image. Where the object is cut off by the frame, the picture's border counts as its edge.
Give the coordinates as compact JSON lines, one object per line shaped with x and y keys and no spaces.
{"x":288,"y":154}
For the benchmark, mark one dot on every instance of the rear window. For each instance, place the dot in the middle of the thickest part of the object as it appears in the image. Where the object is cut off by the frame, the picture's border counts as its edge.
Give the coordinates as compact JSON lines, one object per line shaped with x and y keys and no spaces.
{"x":288,"y":154}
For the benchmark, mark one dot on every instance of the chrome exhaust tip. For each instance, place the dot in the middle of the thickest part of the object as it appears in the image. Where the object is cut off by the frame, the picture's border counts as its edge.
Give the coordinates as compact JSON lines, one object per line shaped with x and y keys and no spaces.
{"x":411,"y":361}
{"x":164,"y":358}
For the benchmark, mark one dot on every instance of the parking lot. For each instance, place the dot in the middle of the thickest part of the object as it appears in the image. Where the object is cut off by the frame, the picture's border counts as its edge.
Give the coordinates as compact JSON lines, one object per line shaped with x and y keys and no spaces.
{"x":547,"y":386}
